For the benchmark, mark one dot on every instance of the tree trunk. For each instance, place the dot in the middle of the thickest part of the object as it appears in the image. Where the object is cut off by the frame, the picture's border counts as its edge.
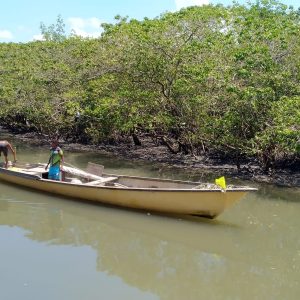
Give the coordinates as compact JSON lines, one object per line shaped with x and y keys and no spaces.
{"x":136,"y":140}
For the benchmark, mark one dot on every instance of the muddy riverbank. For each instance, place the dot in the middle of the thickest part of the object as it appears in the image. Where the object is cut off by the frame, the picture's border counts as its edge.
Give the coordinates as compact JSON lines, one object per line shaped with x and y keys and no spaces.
{"x":151,"y":152}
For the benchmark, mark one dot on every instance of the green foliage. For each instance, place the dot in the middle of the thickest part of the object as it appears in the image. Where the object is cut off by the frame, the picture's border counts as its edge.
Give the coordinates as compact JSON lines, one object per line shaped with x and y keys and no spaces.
{"x":281,"y":137}
{"x":207,"y":79}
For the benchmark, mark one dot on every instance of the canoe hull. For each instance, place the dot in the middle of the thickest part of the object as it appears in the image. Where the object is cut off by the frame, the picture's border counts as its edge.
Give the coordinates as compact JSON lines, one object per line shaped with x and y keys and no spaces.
{"x":207,"y":203}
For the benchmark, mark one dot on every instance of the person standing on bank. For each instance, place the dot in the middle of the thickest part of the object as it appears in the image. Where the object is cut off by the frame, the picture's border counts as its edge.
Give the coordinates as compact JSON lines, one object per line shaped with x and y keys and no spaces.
{"x":4,"y":147}
{"x":55,"y":161}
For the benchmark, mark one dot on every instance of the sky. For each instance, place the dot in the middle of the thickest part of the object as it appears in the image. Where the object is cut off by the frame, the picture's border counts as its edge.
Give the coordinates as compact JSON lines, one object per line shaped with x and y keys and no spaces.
{"x":20,"y":19}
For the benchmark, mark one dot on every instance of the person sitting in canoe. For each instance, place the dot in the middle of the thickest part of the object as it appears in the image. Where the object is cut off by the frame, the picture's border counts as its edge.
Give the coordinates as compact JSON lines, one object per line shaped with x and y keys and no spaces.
{"x":55,"y":161}
{"x":4,"y":147}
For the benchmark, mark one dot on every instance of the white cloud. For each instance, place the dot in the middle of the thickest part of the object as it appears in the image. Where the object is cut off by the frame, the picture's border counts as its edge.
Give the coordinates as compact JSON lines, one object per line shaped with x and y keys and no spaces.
{"x":38,"y":37}
{"x":185,"y":3}
{"x":86,"y":27}
{"x":5,"y":34}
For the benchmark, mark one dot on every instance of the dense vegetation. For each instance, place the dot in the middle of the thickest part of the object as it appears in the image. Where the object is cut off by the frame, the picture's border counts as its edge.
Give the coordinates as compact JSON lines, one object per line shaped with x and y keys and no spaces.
{"x":205,"y":80}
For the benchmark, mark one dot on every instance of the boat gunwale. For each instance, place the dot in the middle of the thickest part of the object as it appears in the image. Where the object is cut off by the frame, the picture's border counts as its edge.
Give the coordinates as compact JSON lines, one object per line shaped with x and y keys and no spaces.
{"x":193,"y":190}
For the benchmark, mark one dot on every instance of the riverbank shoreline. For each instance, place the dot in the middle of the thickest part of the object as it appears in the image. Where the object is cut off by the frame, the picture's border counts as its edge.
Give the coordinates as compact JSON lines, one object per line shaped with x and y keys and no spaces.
{"x":151,"y":152}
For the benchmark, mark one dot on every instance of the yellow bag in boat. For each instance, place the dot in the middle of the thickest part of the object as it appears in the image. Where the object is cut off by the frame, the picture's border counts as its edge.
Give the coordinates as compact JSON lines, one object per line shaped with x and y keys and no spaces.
{"x":221,"y":182}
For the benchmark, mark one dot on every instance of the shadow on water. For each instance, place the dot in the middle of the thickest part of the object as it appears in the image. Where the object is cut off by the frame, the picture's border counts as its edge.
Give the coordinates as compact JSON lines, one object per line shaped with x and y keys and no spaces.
{"x":277,"y":193}
{"x":186,"y":218}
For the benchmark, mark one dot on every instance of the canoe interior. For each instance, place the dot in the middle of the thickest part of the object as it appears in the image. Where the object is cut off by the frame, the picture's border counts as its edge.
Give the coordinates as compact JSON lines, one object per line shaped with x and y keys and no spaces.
{"x":76,"y":176}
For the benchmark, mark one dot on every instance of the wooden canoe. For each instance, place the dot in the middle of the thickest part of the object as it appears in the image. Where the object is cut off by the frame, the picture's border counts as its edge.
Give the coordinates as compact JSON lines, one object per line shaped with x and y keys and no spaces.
{"x":142,"y":193}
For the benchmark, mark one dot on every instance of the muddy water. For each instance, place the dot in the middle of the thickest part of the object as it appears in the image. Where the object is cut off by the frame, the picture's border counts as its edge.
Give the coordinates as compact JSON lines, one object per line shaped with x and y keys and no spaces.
{"x":56,"y":248}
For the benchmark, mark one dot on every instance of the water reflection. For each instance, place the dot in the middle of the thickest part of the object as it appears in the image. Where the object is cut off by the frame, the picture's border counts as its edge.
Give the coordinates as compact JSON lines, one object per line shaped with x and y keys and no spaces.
{"x":171,"y":258}
{"x":276,"y":193}
{"x":251,"y":251}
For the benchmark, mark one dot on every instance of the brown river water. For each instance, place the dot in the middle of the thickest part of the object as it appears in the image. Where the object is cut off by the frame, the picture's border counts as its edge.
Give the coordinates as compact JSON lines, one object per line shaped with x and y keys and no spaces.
{"x":62,"y":249}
